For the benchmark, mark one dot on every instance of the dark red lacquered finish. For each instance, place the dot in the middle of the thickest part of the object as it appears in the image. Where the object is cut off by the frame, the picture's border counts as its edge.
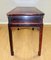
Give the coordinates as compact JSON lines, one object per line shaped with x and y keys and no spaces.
{"x":25,"y":17}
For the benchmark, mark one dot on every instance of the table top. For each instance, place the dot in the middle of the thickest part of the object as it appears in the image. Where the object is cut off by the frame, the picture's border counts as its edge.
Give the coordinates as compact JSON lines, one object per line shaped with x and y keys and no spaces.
{"x":25,"y":11}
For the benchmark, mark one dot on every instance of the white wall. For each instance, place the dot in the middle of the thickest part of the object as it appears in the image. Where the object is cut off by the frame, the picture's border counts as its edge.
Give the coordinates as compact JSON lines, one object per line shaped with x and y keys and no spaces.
{"x":7,"y":5}
{"x":45,"y":6}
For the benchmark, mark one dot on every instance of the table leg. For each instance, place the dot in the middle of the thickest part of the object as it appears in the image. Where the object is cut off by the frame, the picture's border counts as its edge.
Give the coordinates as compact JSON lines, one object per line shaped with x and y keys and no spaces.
{"x":10,"y":40}
{"x":40,"y":39}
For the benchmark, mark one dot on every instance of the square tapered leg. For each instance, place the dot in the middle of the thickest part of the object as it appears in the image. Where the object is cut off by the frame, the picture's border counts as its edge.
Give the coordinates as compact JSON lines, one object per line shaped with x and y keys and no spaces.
{"x":10,"y":40}
{"x":40,"y":39}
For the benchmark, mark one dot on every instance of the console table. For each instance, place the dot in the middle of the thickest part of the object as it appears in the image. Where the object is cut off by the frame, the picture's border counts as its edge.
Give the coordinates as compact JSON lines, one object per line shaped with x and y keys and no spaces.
{"x":25,"y":17}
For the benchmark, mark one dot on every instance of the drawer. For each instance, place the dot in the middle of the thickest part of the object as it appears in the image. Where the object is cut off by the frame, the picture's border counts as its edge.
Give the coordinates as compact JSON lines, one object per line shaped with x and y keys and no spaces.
{"x":34,"y":19}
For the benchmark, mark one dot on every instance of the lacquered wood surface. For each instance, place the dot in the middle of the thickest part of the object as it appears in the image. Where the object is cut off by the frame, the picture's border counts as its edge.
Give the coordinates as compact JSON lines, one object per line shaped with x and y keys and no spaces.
{"x":25,"y":17}
{"x":28,"y":11}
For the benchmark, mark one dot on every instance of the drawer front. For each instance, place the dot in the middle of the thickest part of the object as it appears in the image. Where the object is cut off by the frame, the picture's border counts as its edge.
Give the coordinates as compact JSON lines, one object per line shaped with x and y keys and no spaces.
{"x":23,"y":19}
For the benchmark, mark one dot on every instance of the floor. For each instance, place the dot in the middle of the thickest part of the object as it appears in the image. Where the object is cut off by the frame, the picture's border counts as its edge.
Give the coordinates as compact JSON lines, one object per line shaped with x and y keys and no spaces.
{"x":25,"y":43}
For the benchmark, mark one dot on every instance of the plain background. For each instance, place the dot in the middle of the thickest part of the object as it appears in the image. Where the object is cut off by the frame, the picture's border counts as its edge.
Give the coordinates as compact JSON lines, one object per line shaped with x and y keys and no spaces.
{"x":7,"y":5}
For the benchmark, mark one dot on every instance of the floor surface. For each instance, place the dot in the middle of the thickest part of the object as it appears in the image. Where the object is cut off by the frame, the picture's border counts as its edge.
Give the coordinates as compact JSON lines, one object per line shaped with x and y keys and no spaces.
{"x":25,"y":43}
